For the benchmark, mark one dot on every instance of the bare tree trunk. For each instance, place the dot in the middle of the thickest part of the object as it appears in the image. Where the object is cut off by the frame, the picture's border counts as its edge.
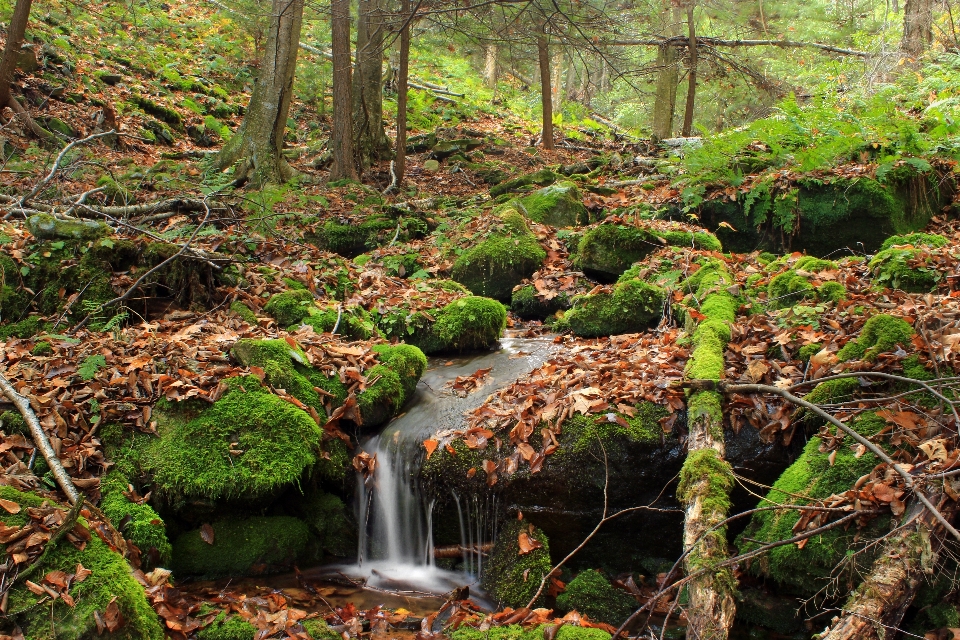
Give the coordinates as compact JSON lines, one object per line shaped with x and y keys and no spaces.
{"x":490,"y":65}
{"x":917,"y":27}
{"x":570,"y":91}
{"x":604,"y":84}
{"x":876,"y":608}
{"x":691,"y":73}
{"x":257,"y":147}
{"x":370,"y":138}
{"x":11,"y":52}
{"x":668,"y":77}
{"x":402,"y":76}
{"x":342,"y":135}
{"x":546,"y":98}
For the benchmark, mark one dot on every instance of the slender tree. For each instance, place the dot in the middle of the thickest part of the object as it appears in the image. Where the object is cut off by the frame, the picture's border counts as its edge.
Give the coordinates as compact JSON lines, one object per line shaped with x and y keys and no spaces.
{"x":342,"y":136}
{"x":917,"y":27}
{"x":402,"y":78}
{"x":15,"y":34}
{"x":691,"y":72}
{"x":370,"y":139}
{"x":668,"y":77}
{"x":546,"y":100}
{"x":257,"y":147}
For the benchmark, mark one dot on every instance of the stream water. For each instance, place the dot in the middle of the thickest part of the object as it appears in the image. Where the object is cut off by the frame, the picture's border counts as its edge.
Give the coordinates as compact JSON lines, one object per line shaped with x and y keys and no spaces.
{"x":395,"y":517}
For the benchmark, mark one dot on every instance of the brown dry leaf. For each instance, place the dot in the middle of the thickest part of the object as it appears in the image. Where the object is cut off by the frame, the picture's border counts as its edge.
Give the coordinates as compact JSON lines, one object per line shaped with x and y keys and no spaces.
{"x":528,"y":543}
{"x":206,"y":533}
{"x":431,"y":446}
{"x":58,"y":579}
{"x":111,"y":617}
{"x":35,"y":588}
{"x":756,"y":370}
{"x":934,"y":449}
{"x":82,"y":573}
{"x":884,"y":493}
{"x":9,"y":506}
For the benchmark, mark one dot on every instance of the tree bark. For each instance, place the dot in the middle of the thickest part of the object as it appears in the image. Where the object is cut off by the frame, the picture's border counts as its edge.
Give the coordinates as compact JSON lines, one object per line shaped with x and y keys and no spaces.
{"x":917,"y":27}
{"x":257,"y":147}
{"x":876,"y":608}
{"x":341,"y":137}
{"x":402,"y":77}
{"x":369,"y":137}
{"x":11,"y":51}
{"x":546,"y":95}
{"x":668,"y":76}
{"x":490,"y":66}
{"x":691,"y":73}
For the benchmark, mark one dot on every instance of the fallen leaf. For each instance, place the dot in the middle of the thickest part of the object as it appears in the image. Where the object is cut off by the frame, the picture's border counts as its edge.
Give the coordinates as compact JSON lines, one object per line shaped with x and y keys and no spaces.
{"x":206,"y":533}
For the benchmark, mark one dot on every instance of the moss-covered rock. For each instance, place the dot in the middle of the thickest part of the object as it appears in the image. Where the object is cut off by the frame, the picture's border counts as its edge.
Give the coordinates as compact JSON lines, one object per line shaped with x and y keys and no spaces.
{"x":242,"y":547}
{"x":790,"y":287}
{"x":592,"y":594}
{"x":607,"y":250}
{"x":351,"y":322}
{"x":227,"y":628}
{"x":906,"y":268}
{"x":526,"y":304}
{"x":246,"y":313}
{"x":880,"y":333}
{"x":46,"y":227}
{"x":138,"y":523}
{"x":111,"y":579}
{"x":329,"y":521}
{"x":509,"y":577}
{"x":631,"y":306}
{"x":249,"y":444}
{"x":351,"y":240}
{"x":290,"y":307}
{"x":559,"y":205}
{"x":516,"y":632}
{"x":317,"y":629}
{"x":470,"y":323}
{"x":501,"y":261}
{"x":815,"y":475}
{"x":930,"y":240}
{"x":542,"y":178}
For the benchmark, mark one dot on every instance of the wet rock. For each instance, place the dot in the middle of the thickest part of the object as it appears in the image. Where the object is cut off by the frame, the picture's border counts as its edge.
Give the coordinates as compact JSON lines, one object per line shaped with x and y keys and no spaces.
{"x":47,"y":227}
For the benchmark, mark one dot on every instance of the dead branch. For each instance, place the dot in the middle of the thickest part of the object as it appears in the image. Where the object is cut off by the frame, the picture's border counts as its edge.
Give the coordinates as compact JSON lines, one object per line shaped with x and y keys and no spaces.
{"x":56,"y":163}
{"x":28,"y":120}
{"x":682,"y":41}
{"x":457,"y":550}
{"x":725,"y":387}
{"x":22,"y":403}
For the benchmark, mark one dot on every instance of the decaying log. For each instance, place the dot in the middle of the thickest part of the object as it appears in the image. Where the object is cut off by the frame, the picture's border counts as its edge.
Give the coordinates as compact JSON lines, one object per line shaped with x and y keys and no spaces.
{"x":876,"y":608}
{"x":457,"y":551}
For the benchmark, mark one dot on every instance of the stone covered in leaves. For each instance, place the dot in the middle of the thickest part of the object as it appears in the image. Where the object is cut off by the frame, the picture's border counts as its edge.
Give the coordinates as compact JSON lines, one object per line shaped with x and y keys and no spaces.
{"x":519,"y":561}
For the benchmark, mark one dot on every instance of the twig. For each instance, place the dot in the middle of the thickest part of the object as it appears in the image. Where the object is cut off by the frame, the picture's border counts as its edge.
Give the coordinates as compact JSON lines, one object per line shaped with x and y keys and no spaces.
{"x":61,"y":531}
{"x":22,"y":403}
{"x":56,"y":163}
{"x":393,"y":178}
{"x":336,"y":325}
{"x":397,"y":234}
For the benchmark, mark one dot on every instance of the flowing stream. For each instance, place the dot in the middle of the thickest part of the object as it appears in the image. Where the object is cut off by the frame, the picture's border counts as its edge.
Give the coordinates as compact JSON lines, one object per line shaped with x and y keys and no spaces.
{"x":395,"y":518}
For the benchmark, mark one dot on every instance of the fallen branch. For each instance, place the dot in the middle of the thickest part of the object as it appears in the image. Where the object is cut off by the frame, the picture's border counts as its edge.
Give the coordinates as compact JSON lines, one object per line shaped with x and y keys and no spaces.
{"x":56,"y":163}
{"x":40,"y":440}
{"x":457,"y":551}
{"x":683,"y":41}
{"x":28,"y":120}
{"x":438,"y":92}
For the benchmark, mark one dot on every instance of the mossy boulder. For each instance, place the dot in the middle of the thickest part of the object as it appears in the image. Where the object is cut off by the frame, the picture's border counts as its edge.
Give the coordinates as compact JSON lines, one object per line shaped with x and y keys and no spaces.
{"x":559,"y":205}
{"x":290,"y":307}
{"x":516,"y":632}
{"x":815,"y":475}
{"x":244,"y":312}
{"x":526,"y":304}
{"x":242,"y":546}
{"x":907,"y":267}
{"x":139,"y":523}
{"x":467,"y":324}
{"x":500,"y":262}
{"x":607,"y":250}
{"x":111,"y":579}
{"x":631,"y":306}
{"x":797,"y":283}
{"x":592,"y":594}
{"x":930,"y":240}
{"x":542,"y":178}
{"x":509,"y":577}
{"x":329,"y":521}
{"x":227,"y":628}
{"x":250,"y":444}
{"x":349,"y":240}
{"x":46,"y":227}
{"x":880,"y":333}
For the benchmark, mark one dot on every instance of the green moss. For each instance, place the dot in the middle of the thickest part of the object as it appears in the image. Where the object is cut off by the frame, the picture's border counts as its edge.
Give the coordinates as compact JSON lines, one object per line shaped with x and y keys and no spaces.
{"x":23,"y":329}
{"x":242,"y":547}
{"x":352,"y":323}
{"x":814,"y":265}
{"x":470,"y":323}
{"x":350,"y":240}
{"x":813,"y":476}
{"x":831,"y":291}
{"x":110,"y":579}
{"x":581,"y":433}
{"x":245,"y":313}
{"x":317,"y":629}
{"x":633,"y":306}
{"x":510,"y":578}
{"x":607,"y":250}
{"x":290,"y":307}
{"x":45,"y":227}
{"x":496,"y":265}
{"x":807,"y":351}
{"x":542,"y":178}
{"x":138,"y":523}
{"x":592,"y":594}
{"x":227,"y":628}
{"x":913,"y":368}
{"x":525,"y":303}
{"x":277,"y":442}
{"x":13,"y":422}
{"x":880,"y":333}
{"x":904,"y":269}
{"x":931,"y":240}
{"x":559,"y":205}
{"x":42,"y":349}
{"x":788,"y":288}
{"x":329,"y":523}
{"x":407,"y":361}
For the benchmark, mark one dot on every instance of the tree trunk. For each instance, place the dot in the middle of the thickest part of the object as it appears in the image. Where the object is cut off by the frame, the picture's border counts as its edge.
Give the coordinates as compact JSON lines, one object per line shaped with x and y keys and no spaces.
{"x":570,"y":91}
{"x":370,"y":138}
{"x":490,"y":66}
{"x":257,"y":147}
{"x":668,"y":77}
{"x":546,"y":97}
{"x":876,"y":608}
{"x":11,"y":52}
{"x":402,"y":75}
{"x":341,"y":137}
{"x":691,"y":74}
{"x":917,"y":27}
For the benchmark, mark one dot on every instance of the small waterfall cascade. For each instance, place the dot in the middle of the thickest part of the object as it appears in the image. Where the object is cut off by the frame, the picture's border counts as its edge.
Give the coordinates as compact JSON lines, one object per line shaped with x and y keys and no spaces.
{"x":394,"y":514}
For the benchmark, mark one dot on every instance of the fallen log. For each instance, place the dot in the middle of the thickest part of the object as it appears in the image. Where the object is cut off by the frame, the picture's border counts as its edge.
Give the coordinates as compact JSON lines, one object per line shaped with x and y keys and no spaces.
{"x":457,"y":551}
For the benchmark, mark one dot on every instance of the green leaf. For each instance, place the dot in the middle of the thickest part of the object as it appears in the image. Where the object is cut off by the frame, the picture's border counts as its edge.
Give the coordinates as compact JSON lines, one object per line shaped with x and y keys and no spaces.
{"x":107,"y":242}
{"x":57,"y":245}
{"x":88,"y":369}
{"x":24,"y":270}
